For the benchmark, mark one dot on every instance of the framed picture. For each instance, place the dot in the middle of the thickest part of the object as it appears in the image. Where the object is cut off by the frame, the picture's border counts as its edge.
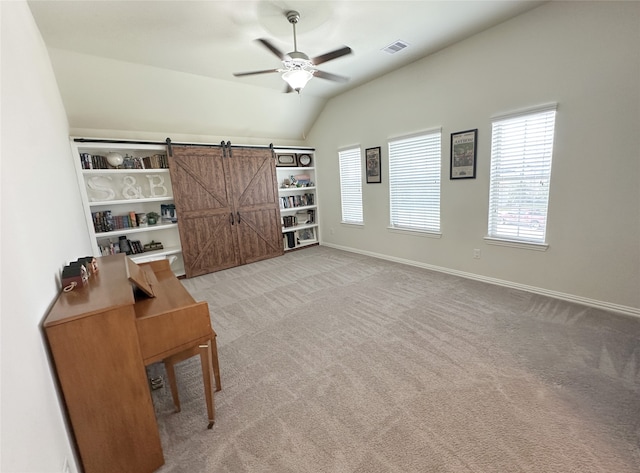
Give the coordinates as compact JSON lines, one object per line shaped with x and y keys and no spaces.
{"x":304,"y":160}
{"x":306,"y":235}
{"x":372,"y":158}
{"x":286,"y":160}
{"x":463,"y":154}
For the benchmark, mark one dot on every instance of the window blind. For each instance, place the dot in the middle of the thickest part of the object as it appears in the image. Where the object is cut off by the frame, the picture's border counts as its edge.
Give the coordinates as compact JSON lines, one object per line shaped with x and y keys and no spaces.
{"x":414,"y":182}
{"x":521,"y":152}
{"x":351,"y":185}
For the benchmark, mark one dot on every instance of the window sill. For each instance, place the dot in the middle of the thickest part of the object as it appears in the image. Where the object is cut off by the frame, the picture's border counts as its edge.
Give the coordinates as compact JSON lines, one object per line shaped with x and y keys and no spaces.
{"x":525,"y":245}
{"x":353,"y":224}
{"x":421,"y":233}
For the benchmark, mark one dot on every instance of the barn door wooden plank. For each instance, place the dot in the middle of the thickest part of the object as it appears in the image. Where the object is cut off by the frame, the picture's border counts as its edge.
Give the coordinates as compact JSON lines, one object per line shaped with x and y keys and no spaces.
{"x":255,"y":201}
{"x":205,"y":209}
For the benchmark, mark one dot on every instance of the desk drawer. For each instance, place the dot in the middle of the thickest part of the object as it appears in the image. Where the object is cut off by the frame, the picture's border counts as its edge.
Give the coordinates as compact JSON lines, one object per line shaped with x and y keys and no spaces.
{"x":162,"y":335}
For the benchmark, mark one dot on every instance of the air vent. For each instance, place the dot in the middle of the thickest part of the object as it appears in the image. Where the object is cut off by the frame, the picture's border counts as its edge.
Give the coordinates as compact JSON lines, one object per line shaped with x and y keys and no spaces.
{"x":395,"y":47}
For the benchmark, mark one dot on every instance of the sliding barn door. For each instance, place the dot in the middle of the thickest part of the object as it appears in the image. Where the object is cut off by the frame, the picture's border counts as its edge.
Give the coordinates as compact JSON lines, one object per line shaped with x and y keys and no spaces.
{"x":203,"y":201}
{"x":255,"y":201}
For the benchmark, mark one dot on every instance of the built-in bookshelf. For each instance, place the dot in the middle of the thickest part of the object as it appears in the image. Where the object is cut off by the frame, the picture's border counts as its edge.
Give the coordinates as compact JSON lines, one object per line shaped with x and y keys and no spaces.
{"x":123,"y":184}
{"x":297,"y":191}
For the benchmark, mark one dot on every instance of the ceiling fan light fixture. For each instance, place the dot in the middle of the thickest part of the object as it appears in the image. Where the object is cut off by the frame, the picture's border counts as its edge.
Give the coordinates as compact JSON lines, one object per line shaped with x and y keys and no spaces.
{"x":297,"y":68}
{"x":297,"y":78}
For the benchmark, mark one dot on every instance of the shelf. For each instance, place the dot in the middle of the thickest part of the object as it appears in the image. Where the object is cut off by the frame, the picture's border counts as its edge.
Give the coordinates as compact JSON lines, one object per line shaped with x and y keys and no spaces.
{"x":99,"y":145}
{"x":102,"y":203}
{"x":124,"y":171}
{"x":299,"y":168}
{"x":173,"y":250}
{"x":303,"y":244}
{"x":113,"y":189}
{"x":291,"y":195}
{"x":127,"y":231}
{"x":297,"y":209}
{"x":294,"y":189}
{"x":298,"y":227}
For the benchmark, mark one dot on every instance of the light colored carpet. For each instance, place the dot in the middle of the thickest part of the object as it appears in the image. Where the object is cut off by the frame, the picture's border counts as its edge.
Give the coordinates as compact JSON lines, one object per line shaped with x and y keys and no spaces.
{"x":338,"y":362}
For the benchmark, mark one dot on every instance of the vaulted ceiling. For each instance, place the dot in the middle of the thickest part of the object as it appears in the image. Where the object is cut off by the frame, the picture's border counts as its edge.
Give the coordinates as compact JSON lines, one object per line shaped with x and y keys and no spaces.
{"x":167,"y":66}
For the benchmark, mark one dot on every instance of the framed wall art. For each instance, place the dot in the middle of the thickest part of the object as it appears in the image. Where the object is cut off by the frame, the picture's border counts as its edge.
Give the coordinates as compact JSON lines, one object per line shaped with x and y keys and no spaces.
{"x":304,"y":160}
{"x":286,"y":160}
{"x":463,"y":154}
{"x":372,"y":159}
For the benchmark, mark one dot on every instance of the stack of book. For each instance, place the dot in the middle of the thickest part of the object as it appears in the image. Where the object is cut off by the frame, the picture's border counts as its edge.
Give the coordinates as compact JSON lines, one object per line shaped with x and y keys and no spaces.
{"x":157,"y":161}
{"x":96,"y":161}
{"x":289,"y":221}
{"x":93,"y":161}
{"x":104,"y":221}
{"x":291,"y":201}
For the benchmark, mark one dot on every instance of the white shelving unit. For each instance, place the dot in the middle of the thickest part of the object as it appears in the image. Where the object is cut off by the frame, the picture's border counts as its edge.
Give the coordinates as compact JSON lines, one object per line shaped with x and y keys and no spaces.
{"x":298,"y":198}
{"x":123,"y":193}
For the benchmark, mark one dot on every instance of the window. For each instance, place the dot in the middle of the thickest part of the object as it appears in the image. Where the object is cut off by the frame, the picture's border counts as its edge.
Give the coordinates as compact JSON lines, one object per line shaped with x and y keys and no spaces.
{"x":521,"y":151}
{"x":414,"y":182}
{"x":351,"y":185}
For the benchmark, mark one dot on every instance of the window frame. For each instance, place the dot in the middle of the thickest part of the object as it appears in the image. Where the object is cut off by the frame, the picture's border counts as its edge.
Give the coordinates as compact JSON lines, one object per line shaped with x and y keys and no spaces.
{"x":520,"y":140}
{"x":433,"y":162}
{"x":353,"y":190}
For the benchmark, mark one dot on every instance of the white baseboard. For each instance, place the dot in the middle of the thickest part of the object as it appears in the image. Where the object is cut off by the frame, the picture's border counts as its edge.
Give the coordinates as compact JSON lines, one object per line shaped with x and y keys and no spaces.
{"x":621,"y":309}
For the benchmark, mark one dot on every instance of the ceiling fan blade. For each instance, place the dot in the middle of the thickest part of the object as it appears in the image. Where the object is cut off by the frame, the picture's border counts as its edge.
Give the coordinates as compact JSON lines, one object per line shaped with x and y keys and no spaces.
{"x":267,"y":71}
{"x":329,"y":76}
{"x":331,"y":55}
{"x":267,"y":44}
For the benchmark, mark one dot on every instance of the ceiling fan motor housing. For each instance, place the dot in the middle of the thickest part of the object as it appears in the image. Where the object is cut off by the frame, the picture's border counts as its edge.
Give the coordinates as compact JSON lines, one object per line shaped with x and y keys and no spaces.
{"x":293,"y":16}
{"x":297,"y":60}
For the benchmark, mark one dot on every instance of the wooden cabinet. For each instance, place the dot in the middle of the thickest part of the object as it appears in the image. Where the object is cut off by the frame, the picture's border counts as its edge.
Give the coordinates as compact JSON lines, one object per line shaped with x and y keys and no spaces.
{"x":227,"y":199}
{"x":121,"y":194}
{"x":297,"y":189}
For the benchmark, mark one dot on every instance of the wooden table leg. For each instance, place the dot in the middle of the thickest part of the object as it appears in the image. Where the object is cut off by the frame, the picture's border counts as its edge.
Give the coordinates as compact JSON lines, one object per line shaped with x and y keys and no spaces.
{"x":209,"y":363}
{"x":216,"y":366}
{"x":171,"y":376}
{"x":206,"y":362}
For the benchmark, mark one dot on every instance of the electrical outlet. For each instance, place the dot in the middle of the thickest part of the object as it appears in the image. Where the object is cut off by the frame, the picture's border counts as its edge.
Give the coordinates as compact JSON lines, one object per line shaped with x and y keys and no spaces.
{"x":476,"y":253}
{"x":65,"y":466}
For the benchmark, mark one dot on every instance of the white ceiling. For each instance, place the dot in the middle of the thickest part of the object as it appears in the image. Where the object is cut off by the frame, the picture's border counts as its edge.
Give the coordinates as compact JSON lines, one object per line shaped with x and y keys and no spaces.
{"x":116,"y":61}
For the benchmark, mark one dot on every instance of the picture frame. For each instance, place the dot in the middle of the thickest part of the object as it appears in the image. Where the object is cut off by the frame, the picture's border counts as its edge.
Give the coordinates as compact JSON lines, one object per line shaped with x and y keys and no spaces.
{"x":304,"y":160}
{"x":463,"y":154}
{"x":306,"y":235}
{"x":373,"y":166}
{"x":286,"y":160}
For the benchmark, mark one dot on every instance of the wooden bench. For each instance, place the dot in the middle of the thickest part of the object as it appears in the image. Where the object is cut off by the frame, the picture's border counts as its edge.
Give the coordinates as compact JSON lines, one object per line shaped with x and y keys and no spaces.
{"x":172,"y":327}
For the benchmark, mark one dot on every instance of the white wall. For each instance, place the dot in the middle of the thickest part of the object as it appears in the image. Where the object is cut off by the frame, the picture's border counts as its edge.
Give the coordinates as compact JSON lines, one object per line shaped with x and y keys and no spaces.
{"x":582,"y":55}
{"x":42,"y":230}
{"x":140,"y":97}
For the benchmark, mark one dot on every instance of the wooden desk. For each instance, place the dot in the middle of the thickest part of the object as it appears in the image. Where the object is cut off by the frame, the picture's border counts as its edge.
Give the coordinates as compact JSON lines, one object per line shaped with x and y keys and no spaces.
{"x":101,"y":338}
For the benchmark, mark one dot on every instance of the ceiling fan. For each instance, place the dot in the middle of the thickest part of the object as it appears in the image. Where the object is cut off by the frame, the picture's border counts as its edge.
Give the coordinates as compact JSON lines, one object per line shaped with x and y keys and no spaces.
{"x":297,"y":69}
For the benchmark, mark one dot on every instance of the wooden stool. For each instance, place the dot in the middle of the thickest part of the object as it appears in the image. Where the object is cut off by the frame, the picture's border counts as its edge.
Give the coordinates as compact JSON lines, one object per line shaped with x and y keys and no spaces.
{"x":208,"y":359}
